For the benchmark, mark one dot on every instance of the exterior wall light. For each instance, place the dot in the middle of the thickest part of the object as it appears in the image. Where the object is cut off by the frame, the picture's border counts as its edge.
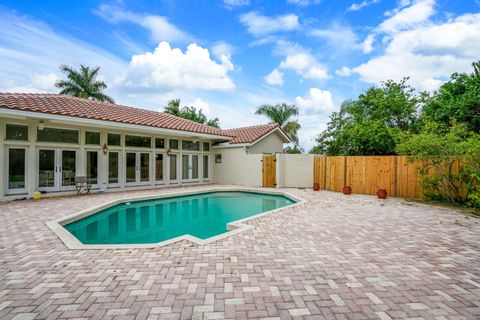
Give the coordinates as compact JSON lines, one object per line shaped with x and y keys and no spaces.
{"x":105,"y":148}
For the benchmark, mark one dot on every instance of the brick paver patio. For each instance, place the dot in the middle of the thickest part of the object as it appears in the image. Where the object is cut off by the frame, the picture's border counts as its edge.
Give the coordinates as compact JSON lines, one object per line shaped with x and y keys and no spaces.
{"x":333,"y":257}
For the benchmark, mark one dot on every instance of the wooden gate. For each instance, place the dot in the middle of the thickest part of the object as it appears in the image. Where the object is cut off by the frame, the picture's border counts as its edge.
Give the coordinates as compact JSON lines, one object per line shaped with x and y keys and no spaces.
{"x":269,"y":171}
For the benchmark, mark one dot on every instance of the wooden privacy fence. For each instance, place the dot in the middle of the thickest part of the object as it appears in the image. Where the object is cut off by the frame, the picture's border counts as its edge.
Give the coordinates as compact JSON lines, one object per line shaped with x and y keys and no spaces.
{"x":367,"y":174}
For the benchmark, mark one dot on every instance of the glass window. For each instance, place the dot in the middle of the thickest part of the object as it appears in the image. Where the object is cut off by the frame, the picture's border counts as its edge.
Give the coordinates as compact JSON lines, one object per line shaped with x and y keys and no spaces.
{"x":113,"y":167}
{"x":159,"y":143}
{"x":69,"y":165}
{"x":205,"y":167}
{"x":159,"y":167}
{"x":57,"y":135}
{"x":131,"y":164}
{"x":173,"y":167}
{"x":92,"y":167}
{"x":190,"y":145}
{"x":144,"y":167}
{"x":173,"y":144}
{"x":16,"y":132}
{"x":114,"y":139}
{"x":16,"y":168}
{"x":46,"y":168}
{"x":194,"y":166}
{"x":206,"y":146}
{"x":185,"y":167}
{"x":138,"y":141}
{"x":92,"y":137}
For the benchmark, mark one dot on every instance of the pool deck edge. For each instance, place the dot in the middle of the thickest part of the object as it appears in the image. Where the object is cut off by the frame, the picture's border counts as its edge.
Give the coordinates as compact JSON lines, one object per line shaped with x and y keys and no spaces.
{"x":234,"y":227}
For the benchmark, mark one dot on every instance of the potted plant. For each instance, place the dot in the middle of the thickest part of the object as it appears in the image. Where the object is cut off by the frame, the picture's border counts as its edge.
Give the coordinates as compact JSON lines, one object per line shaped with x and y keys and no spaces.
{"x":382,"y":194}
{"x":347,"y":190}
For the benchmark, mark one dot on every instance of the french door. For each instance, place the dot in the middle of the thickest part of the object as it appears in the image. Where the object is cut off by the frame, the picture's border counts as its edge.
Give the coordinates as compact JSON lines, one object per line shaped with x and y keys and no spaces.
{"x":173,"y":168}
{"x":113,"y":168}
{"x":190,"y":167}
{"x":92,"y":167}
{"x":56,"y":169}
{"x":137,"y":167}
{"x":16,"y":168}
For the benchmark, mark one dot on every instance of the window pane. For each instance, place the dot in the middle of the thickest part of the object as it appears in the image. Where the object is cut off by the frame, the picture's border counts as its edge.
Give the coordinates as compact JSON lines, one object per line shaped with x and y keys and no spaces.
{"x":159,"y":167}
{"x":159,"y":143}
{"x":57,"y":135}
{"x":113,"y":167}
{"x":205,"y":167}
{"x":185,"y":167}
{"x":68,"y":167}
{"x":138,"y":141}
{"x":173,"y":144}
{"x":144,"y":167}
{"x":46,"y":168}
{"x":190,"y":145}
{"x":92,"y":137}
{"x":92,"y":167}
{"x":206,"y":146}
{"x":16,"y":132}
{"x":131,"y":164}
{"x":113,"y":139}
{"x":194,"y":167}
{"x":173,"y":167}
{"x":16,"y":168}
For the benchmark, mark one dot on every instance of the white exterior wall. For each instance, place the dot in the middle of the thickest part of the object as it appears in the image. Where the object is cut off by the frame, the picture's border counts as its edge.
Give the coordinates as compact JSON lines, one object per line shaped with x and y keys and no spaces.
{"x":32,"y":148}
{"x":295,"y":170}
{"x":272,"y":143}
{"x":237,"y":167}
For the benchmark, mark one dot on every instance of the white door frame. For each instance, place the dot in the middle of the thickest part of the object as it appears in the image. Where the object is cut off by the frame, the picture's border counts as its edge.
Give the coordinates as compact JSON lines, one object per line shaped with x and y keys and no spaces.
{"x":9,"y":191}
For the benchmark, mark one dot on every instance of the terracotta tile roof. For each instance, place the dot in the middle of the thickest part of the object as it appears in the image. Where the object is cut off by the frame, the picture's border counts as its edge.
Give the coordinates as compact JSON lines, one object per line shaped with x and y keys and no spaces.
{"x":65,"y":105}
{"x":83,"y":108}
{"x":249,"y":134}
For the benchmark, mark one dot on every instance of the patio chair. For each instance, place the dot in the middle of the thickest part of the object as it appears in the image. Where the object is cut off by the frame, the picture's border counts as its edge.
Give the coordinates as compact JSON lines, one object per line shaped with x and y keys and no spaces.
{"x":81,"y":182}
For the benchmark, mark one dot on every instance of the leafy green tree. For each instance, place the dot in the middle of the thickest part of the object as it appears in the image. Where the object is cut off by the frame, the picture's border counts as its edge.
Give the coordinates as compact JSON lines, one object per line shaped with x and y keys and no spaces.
{"x":83,"y":83}
{"x":190,"y":113}
{"x":281,"y":114}
{"x":371,"y":124}
{"x":458,"y":99}
{"x":438,"y":148}
{"x":293,"y":150}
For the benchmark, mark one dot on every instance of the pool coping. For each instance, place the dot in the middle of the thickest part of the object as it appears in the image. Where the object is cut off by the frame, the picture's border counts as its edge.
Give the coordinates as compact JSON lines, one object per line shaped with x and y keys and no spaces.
{"x":234,"y":227}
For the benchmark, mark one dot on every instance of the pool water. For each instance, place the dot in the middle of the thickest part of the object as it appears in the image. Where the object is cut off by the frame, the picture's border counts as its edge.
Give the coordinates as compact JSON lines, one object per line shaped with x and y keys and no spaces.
{"x":151,"y":221}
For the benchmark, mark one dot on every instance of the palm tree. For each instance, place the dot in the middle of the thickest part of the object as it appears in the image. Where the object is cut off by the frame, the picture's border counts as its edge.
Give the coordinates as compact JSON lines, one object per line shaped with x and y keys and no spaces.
{"x":281,"y":114}
{"x":83,"y":83}
{"x":173,"y":107}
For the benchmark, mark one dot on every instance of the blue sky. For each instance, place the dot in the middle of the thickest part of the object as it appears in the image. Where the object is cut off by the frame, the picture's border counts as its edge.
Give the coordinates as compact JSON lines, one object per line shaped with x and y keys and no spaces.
{"x":231,"y":56}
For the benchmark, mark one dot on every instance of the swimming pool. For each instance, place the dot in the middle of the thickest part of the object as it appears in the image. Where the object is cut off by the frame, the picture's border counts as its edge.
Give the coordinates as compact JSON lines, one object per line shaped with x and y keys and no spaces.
{"x":202,"y":215}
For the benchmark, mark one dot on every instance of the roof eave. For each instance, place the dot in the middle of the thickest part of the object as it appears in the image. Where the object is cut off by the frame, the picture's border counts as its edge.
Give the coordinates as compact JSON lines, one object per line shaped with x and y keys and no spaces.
{"x":109,"y":124}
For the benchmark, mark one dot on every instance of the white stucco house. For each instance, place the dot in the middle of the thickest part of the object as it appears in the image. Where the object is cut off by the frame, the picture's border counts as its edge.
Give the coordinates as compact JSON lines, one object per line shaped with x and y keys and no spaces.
{"x":46,"y":140}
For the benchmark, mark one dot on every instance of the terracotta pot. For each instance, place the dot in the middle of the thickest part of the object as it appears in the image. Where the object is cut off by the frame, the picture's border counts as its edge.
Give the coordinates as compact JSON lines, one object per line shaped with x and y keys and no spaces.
{"x":316,"y":186}
{"x":382,"y":194}
{"x":347,"y":190}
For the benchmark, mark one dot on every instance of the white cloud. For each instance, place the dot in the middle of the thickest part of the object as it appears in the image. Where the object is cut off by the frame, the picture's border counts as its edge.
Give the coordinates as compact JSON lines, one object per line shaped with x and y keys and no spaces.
{"x":166,"y":68}
{"x":338,"y":37}
{"x":223,"y":52}
{"x":361,"y":5}
{"x":409,"y":17}
{"x":158,"y":26}
{"x":343,"y":72}
{"x":31,"y":53}
{"x":306,"y":65}
{"x":367,"y":44}
{"x":315,"y":109}
{"x":199,"y":104}
{"x":230,"y":4}
{"x":303,"y":3}
{"x":426,"y":51}
{"x":317,"y":101}
{"x":260,"y":25}
{"x":44,"y":81}
{"x":274,"y":78}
